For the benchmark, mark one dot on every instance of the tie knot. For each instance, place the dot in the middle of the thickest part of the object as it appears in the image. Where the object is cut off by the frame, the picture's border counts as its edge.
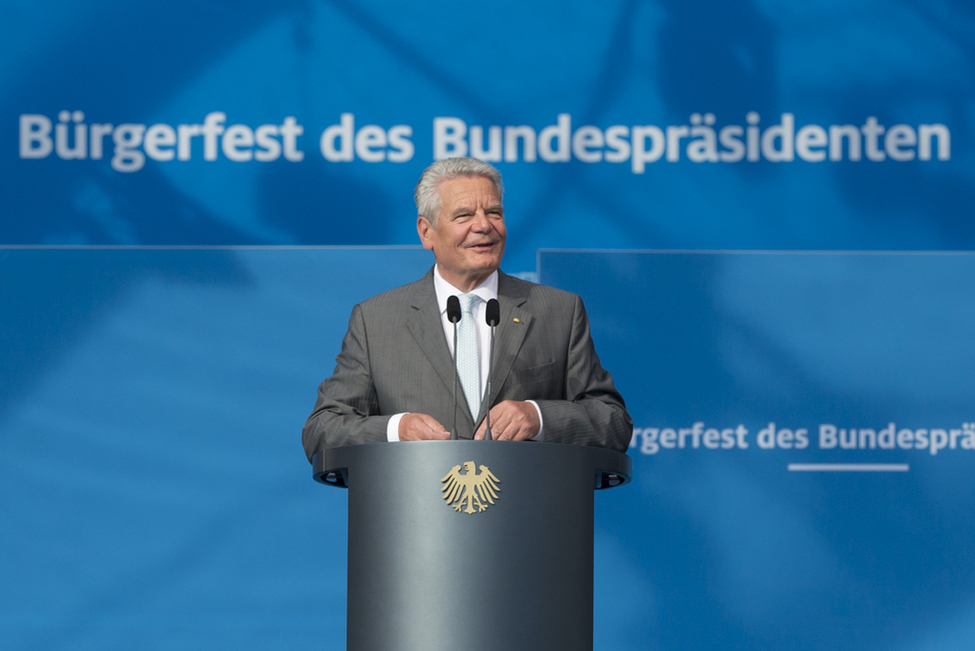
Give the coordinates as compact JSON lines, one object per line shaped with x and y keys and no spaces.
{"x":467,"y":302}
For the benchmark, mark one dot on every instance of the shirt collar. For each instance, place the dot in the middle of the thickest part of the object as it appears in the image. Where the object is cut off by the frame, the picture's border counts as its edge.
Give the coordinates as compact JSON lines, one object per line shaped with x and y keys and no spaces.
{"x":486,"y":290}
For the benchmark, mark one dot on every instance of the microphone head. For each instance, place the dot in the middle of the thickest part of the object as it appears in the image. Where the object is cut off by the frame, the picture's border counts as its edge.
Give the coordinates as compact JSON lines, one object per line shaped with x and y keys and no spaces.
{"x":492,"y":313}
{"x":453,"y":309}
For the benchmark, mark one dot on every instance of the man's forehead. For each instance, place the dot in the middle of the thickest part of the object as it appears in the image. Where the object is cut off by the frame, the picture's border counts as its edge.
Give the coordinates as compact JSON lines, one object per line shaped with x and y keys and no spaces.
{"x":468,"y":192}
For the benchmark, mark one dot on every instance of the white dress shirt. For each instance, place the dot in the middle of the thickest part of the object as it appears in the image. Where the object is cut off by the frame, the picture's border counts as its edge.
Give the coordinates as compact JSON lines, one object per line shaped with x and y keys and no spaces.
{"x":486,"y":291}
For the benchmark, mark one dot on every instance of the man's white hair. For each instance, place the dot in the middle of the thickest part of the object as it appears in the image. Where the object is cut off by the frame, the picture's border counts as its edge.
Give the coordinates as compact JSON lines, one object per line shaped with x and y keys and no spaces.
{"x":427,"y":193}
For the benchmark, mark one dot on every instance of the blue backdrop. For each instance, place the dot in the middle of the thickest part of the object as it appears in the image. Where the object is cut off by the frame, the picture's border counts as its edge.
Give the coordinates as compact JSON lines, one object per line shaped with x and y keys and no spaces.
{"x":627,"y":124}
{"x":153,"y":492}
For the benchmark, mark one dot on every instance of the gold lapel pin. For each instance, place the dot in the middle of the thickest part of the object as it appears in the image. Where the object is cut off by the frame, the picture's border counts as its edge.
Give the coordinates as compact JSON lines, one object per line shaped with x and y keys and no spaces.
{"x":517,"y":320}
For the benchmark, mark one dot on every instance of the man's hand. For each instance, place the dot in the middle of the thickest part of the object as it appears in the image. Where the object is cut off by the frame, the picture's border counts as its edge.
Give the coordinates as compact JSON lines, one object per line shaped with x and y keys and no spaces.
{"x":420,"y":427}
{"x":511,"y":420}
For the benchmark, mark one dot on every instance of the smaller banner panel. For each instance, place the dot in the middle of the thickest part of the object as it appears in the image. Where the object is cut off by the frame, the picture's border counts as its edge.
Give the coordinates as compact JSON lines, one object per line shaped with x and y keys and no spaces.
{"x":804,"y":438}
{"x":154,"y":493}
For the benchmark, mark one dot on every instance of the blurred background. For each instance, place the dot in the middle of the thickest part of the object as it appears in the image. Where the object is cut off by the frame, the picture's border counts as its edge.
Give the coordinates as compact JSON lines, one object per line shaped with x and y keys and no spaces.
{"x":767,"y":207}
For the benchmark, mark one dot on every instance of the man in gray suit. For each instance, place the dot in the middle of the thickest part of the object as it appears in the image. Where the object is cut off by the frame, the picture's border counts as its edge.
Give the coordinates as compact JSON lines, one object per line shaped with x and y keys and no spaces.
{"x":394,"y":378}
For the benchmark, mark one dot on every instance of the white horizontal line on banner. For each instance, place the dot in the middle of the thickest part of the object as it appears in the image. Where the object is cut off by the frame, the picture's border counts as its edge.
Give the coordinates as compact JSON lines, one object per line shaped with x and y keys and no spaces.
{"x":848,"y":467}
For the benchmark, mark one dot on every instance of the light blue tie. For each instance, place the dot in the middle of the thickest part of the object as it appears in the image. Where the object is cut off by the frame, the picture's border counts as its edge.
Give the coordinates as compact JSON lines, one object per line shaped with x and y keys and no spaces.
{"x":468,"y":355}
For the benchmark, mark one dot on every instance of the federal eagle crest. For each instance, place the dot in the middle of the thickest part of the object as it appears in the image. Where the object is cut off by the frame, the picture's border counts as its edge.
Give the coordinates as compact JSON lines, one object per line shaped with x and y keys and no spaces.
{"x":474,"y":489}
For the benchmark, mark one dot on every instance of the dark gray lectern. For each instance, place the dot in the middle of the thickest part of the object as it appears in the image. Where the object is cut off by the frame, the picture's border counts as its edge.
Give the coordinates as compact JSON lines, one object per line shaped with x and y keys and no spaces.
{"x":475,"y":545}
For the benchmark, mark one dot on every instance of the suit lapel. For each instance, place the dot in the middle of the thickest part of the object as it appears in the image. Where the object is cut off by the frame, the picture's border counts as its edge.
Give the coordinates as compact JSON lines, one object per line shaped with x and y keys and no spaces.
{"x":426,"y":326}
{"x":511,"y":332}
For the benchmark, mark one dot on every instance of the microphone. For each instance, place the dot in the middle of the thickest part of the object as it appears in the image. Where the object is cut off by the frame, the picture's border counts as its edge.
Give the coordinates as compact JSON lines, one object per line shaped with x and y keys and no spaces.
{"x":453,"y":315}
{"x":492,"y":314}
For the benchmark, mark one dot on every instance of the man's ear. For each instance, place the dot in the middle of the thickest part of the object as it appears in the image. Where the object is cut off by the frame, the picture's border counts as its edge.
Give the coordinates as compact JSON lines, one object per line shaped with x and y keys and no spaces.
{"x":425,"y":230}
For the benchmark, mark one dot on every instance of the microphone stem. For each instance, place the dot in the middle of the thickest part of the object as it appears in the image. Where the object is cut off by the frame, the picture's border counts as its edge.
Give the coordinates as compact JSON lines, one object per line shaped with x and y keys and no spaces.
{"x":487,"y":427}
{"x":453,"y":427}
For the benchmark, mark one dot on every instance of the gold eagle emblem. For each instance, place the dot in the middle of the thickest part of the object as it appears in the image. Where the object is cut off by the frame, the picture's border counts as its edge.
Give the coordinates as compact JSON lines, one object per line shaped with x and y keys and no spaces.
{"x":469,"y":487}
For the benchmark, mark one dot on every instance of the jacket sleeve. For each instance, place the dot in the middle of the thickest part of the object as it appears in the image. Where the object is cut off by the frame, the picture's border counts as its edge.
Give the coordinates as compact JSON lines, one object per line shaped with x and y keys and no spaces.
{"x":592,"y":411}
{"x":347,"y":409}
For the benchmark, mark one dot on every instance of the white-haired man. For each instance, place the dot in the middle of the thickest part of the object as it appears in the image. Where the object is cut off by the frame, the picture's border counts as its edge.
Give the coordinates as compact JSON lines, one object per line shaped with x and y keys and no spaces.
{"x":394,"y":377}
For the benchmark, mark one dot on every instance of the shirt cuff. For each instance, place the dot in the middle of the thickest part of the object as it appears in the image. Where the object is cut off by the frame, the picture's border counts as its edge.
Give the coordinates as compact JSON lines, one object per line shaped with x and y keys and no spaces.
{"x":392,"y":427}
{"x":541,"y":423}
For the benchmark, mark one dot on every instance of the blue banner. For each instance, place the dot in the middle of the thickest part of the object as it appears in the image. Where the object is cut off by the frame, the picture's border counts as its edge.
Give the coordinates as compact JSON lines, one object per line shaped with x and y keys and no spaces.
{"x":703,"y":125}
{"x":804,"y":435}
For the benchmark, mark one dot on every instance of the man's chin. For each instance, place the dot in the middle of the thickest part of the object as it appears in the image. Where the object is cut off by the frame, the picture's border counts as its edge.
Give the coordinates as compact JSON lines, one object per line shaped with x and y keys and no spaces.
{"x":490,"y":259}
{"x":489,"y":265}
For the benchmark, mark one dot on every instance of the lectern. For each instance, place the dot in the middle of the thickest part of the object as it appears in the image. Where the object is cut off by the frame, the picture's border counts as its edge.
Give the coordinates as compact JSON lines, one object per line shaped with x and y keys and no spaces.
{"x":474,"y":545}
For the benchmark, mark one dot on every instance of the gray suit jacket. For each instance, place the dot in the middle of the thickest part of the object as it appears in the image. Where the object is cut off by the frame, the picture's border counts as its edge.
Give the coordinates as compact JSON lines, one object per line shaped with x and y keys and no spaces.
{"x":395,"y":359}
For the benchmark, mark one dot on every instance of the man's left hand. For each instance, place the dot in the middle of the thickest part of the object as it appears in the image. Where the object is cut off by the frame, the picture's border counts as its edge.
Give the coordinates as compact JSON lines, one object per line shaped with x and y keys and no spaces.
{"x":511,"y":420}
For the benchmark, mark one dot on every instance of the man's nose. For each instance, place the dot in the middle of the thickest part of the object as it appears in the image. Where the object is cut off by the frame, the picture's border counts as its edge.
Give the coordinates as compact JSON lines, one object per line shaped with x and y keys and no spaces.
{"x":481,"y":221}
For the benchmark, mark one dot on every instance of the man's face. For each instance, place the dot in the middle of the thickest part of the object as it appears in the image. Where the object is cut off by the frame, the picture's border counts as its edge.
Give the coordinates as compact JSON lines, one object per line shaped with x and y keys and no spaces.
{"x":468,"y":239}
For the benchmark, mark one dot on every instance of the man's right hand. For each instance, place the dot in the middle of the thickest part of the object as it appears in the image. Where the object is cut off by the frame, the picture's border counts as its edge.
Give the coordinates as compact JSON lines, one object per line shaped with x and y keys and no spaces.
{"x":420,"y":427}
